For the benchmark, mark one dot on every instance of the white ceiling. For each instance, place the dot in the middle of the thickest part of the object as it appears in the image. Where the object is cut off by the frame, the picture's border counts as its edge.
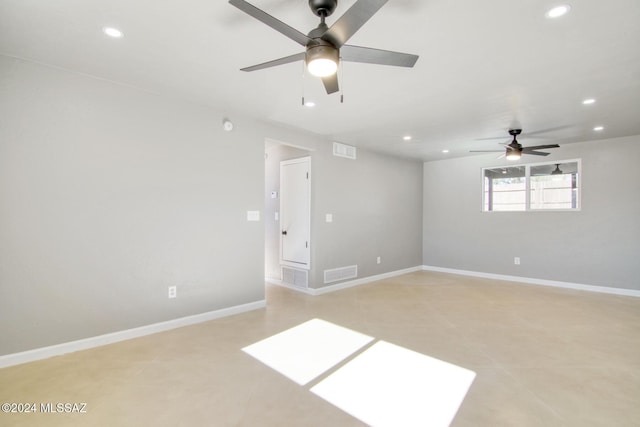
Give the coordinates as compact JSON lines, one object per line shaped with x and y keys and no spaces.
{"x":484,"y":66}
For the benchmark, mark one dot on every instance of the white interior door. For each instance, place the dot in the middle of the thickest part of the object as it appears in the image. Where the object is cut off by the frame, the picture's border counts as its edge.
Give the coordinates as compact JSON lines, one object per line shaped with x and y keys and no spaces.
{"x":295,"y":212}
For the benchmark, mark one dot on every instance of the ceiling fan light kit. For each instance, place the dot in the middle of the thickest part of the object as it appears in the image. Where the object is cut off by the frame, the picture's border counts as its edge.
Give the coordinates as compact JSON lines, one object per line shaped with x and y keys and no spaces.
{"x":322,"y":60}
{"x":323,"y":44}
{"x":513,"y":155}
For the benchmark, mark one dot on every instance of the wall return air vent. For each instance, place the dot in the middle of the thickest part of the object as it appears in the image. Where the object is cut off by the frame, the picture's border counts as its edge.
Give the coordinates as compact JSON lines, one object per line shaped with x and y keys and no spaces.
{"x":342,"y":273}
{"x":295,"y":277}
{"x":343,"y":150}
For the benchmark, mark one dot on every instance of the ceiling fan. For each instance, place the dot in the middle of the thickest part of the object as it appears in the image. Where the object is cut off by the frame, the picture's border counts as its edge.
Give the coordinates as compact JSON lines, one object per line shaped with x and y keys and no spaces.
{"x":515,"y":150}
{"x":325,"y":46}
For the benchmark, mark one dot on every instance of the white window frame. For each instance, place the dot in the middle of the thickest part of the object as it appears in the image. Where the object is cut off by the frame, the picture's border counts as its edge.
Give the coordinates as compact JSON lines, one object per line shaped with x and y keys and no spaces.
{"x":527,"y":177}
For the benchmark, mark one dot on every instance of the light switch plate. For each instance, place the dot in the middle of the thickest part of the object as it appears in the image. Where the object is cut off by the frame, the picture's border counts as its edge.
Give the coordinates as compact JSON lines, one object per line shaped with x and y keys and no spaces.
{"x":253,"y":215}
{"x":329,"y":217}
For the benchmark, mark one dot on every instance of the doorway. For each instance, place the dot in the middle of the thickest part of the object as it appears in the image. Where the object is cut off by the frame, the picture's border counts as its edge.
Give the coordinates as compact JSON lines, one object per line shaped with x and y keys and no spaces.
{"x":275,"y":153}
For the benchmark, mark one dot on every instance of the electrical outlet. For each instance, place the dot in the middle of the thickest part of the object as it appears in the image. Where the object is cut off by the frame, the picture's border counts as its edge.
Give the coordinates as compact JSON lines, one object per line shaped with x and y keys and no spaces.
{"x":516,"y":260}
{"x":173,"y":291}
{"x":378,"y":261}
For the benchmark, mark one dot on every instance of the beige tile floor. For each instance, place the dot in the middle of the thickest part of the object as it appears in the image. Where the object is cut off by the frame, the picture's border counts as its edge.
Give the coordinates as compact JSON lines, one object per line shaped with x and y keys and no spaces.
{"x":543,"y":357}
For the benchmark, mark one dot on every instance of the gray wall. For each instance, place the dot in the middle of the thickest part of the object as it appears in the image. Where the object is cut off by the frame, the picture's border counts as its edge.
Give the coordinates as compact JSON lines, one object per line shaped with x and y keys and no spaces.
{"x":598,"y":245}
{"x":109,"y":194}
{"x":376,"y":202}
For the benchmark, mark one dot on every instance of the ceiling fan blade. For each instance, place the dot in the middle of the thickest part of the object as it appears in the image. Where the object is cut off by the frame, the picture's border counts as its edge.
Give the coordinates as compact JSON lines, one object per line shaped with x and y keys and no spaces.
{"x":331,"y":83}
{"x":536,"y":153}
{"x":275,"y":62}
{"x":490,"y":138}
{"x":272,"y":22}
{"x":540,"y":147}
{"x":536,"y":132}
{"x":351,"y":21}
{"x":377,"y":56}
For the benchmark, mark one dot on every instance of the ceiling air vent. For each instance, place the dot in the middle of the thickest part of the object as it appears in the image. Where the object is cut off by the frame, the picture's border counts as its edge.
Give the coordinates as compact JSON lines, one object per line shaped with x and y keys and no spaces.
{"x":343,"y":150}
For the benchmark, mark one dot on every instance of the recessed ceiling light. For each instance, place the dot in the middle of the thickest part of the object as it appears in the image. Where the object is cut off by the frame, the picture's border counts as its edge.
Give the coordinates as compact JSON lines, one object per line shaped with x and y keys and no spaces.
{"x":558,"y":11}
{"x":589,"y":101}
{"x":113,"y":32}
{"x":598,"y":128}
{"x":407,"y":138}
{"x":445,"y":151}
{"x":310,"y":104}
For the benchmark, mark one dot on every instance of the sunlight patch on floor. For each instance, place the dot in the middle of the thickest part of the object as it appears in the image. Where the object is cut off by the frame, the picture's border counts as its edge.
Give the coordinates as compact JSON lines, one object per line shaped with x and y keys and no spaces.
{"x":384,"y":385}
{"x":306,"y":351}
{"x":388,"y":385}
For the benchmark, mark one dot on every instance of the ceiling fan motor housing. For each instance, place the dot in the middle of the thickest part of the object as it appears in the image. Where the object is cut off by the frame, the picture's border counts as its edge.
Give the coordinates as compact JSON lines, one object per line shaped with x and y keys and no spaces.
{"x":514,"y":146}
{"x":322,"y":50}
{"x":323,"y":8}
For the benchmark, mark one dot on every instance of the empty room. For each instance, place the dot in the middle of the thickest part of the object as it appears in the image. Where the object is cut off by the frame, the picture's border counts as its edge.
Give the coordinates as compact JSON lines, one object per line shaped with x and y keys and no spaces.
{"x":319,"y":213}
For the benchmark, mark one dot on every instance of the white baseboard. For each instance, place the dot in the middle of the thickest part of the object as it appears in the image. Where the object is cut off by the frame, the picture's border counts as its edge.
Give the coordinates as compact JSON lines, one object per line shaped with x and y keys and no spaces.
{"x":532,"y":281}
{"x":345,"y":285}
{"x":363,"y":280}
{"x":87,"y":343}
{"x":278,"y":282}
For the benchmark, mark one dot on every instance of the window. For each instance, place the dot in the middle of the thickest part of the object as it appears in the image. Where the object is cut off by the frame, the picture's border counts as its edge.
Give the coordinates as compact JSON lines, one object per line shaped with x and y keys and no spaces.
{"x":505,"y":189}
{"x":542,"y":186}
